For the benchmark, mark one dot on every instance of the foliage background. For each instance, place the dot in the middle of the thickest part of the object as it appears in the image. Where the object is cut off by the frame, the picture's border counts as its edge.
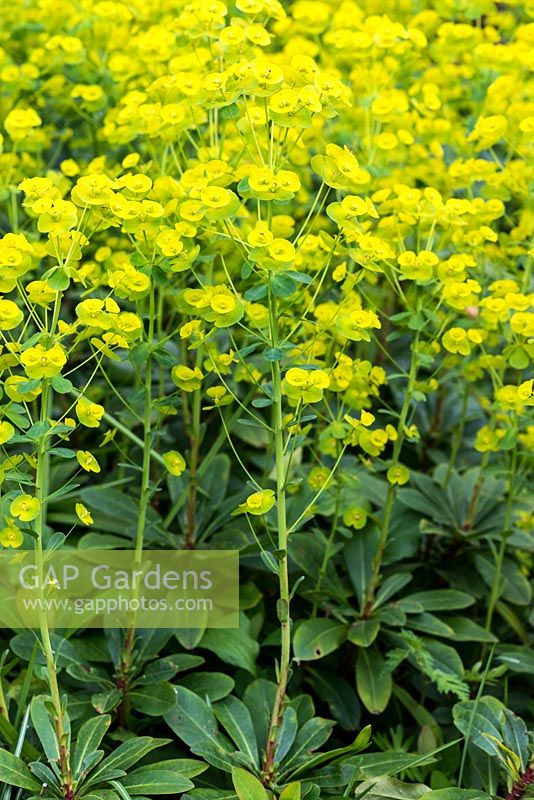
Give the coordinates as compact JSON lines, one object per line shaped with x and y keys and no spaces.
{"x":266,"y":285}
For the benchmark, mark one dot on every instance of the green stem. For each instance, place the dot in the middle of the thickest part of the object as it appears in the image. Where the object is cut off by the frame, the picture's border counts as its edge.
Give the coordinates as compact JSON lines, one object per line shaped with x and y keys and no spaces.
{"x":41,"y":492}
{"x":283,"y":569}
{"x":144,"y":500}
{"x":194,"y":439}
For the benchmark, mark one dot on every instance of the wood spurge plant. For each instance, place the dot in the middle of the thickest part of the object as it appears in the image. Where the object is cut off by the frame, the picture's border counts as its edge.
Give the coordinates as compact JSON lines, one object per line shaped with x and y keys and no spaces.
{"x":266,"y":287}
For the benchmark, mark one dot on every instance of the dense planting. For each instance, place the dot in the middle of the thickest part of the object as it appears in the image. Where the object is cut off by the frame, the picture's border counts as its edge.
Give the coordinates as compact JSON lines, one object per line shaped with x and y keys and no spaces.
{"x":265,"y":276}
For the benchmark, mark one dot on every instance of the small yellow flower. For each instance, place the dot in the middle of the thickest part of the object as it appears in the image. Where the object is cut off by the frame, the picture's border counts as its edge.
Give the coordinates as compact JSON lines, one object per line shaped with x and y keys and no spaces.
{"x":462,"y":294}
{"x":169,"y":242}
{"x":391,"y":433}
{"x":222,"y":303}
{"x":258,"y":503}
{"x":10,"y":536}
{"x":93,"y":190}
{"x":40,"y":293}
{"x":219,"y":396}
{"x":186,"y":378}
{"x":250,"y":6}
{"x":131,"y":160}
{"x":317,"y":477}
{"x":260,"y":236}
{"x":355,"y":517}
{"x":354,"y":206}
{"x":83,"y":514}
{"x":216,"y":197}
{"x":69,"y":167}
{"x":284,"y":102}
{"x":512,"y":397}
{"x":89,"y":414}
{"x":87,"y":461}
{"x":174,"y":462}
{"x":305,"y":385}
{"x":25,"y":507}
{"x":6,"y":431}
{"x":138,"y":184}
{"x":41,"y":362}
{"x":92,"y":313}
{"x":355,"y":326}
{"x":398,"y":475}
{"x":487,"y":440}
{"x":19,"y":123}
{"x":10,"y":315}
{"x":281,"y":250}
{"x":456,"y":340}
{"x":417,"y":266}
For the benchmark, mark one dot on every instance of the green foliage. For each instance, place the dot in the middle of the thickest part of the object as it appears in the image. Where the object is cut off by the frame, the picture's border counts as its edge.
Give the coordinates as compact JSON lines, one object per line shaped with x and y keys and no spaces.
{"x":266,"y":286}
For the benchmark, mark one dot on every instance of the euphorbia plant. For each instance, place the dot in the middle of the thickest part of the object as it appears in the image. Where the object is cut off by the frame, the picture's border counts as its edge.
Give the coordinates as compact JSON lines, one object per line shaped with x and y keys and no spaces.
{"x":280,"y":253}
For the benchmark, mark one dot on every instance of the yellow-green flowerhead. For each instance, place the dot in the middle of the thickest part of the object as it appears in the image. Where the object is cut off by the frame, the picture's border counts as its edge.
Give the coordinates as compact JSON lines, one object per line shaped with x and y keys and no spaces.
{"x":93,"y":190}
{"x":417,"y":266}
{"x":186,"y":378}
{"x":317,"y":478}
{"x":25,"y":507}
{"x":174,"y":462}
{"x":88,"y":413}
{"x":487,"y":440}
{"x":306,"y":385}
{"x":355,"y":517}
{"x":258,"y":503}
{"x":11,"y":536}
{"x":455,"y":340}
{"x":83,"y":514}
{"x":12,"y":384}
{"x":41,"y":362}
{"x":87,"y":461}
{"x":357,"y":324}
{"x":511,"y":397}
{"x":20,"y":121}
{"x":398,"y":475}
{"x":10,"y":315}
{"x":6,"y":431}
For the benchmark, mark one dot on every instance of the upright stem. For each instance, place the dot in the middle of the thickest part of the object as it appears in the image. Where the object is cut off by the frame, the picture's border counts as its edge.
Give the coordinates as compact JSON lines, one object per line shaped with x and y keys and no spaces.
{"x":144,"y":500}
{"x":41,"y":492}
{"x":283,"y":571}
{"x":194,"y":438}
{"x":147,"y":437}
